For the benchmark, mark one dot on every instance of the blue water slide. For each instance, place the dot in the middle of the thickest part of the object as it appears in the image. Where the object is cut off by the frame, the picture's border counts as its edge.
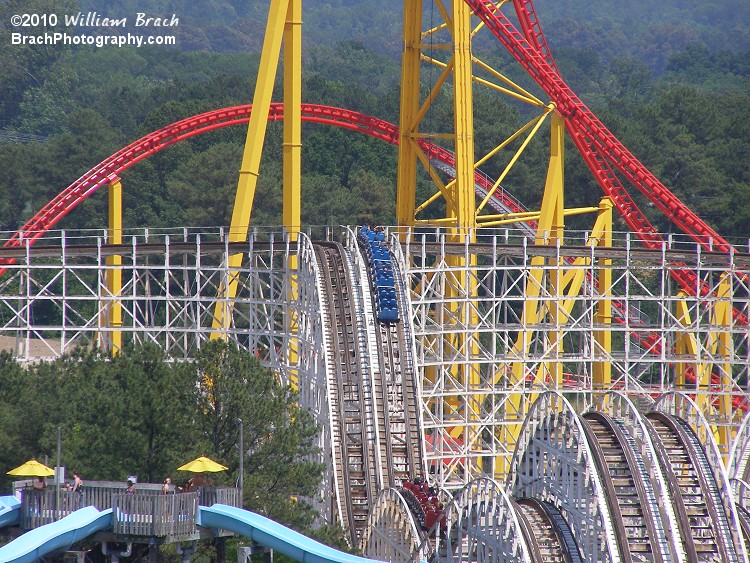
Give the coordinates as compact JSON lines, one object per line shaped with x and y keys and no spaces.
{"x":10,"y":511}
{"x":36,"y":543}
{"x":60,"y":535}
{"x":272,"y":534}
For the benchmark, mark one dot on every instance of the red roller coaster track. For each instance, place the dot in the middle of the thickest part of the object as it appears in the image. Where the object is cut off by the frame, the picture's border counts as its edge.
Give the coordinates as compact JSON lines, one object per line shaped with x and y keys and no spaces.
{"x":598,"y":146}
{"x":103,"y":173}
{"x":601,"y":150}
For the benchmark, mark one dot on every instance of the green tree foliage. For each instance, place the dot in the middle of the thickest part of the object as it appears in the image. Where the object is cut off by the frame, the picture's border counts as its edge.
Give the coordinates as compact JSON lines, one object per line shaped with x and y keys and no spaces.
{"x":204,"y":185}
{"x":137,"y":414}
{"x":692,"y":141}
{"x":90,"y":102}
{"x":15,"y":183}
{"x":25,"y":66}
{"x":279,"y":437}
{"x":120,"y":416}
{"x":715,"y":71}
{"x":652,"y":35}
{"x":15,"y":443}
{"x":351,"y":63}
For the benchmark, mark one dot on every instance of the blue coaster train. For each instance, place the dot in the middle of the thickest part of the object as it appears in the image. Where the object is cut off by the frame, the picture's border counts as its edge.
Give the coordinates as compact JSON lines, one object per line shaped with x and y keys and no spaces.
{"x":381,"y":273}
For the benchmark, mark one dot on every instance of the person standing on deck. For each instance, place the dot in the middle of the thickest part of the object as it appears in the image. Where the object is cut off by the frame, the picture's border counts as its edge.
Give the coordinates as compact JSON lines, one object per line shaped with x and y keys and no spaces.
{"x":78,"y":488}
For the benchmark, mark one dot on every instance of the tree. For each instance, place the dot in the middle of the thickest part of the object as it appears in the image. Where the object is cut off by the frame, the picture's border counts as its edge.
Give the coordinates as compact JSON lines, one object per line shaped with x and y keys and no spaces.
{"x":279,"y":437}
{"x":124,"y":415}
{"x":15,"y":181}
{"x":204,"y":186}
{"x":376,"y":197}
{"x":15,"y":448}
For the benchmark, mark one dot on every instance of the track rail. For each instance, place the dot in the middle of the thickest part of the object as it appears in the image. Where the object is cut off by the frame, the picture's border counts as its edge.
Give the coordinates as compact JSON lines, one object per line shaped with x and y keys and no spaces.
{"x":375,"y":422}
{"x":547,"y":534}
{"x":697,"y":495}
{"x":397,"y":413}
{"x":744,"y":517}
{"x":532,"y":30}
{"x":409,"y":380}
{"x":393,"y":416}
{"x":716,"y":259}
{"x":349,"y":401}
{"x":633,"y":510}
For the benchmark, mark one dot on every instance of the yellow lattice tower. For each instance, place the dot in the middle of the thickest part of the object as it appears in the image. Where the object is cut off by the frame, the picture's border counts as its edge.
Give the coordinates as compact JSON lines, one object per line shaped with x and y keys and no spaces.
{"x":448,"y":47}
{"x":458,"y":195}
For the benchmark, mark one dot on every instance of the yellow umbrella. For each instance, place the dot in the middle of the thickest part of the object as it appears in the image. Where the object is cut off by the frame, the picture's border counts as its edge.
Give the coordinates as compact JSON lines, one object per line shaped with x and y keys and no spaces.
{"x":32,"y":468}
{"x":202,"y":465}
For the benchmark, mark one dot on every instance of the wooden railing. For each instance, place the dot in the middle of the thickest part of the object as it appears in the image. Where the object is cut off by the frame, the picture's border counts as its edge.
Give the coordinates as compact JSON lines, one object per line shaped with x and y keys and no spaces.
{"x":141,"y":514}
{"x":211,"y":495}
{"x":41,"y":507}
{"x":147,"y":512}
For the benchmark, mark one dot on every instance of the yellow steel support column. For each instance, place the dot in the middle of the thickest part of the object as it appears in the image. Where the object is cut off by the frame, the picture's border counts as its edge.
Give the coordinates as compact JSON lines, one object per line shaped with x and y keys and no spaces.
{"x":684,"y":345}
{"x":292,"y":158}
{"x":114,"y":273}
{"x":550,"y":232}
{"x":256,"y":132}
{"x":459,"y":310}
{"x":463,"y":119}
{"x":461,"y":291}
{"x":721,"y":348}
{"x":292,"y":146}
{"x":409,"y":120}
{"x":602,"y":370}
{"x":553,"y":206}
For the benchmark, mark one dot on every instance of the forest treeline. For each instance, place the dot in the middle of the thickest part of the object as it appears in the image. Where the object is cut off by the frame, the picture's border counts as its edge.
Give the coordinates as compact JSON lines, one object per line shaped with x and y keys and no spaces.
{"x":686,"y":117}
{"x":674,"y":89}
{"x":137,"y":414}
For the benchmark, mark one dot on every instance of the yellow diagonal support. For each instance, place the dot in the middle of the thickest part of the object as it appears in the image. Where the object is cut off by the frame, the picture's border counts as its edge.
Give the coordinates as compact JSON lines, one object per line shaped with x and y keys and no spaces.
{"x":714,"y":358}
{"x":685,"y":343}
{"x":549,"y":232}
{"x":278,"y":18}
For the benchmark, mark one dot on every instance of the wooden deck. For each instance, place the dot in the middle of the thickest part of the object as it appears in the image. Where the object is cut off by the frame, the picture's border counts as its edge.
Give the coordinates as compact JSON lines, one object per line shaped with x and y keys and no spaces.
{"x":147,"y":513}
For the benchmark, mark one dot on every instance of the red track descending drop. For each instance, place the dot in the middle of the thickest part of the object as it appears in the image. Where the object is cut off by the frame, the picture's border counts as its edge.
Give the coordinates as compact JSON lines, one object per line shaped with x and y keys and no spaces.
{"x":601,"y":150}
{"x":588,"y":126}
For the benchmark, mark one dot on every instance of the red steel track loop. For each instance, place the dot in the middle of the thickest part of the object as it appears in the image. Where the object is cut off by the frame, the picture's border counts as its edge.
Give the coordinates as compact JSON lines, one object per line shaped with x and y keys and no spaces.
{"x":585,"y":134}
{"x":532,"y":30}
{"x":101,"y":174}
